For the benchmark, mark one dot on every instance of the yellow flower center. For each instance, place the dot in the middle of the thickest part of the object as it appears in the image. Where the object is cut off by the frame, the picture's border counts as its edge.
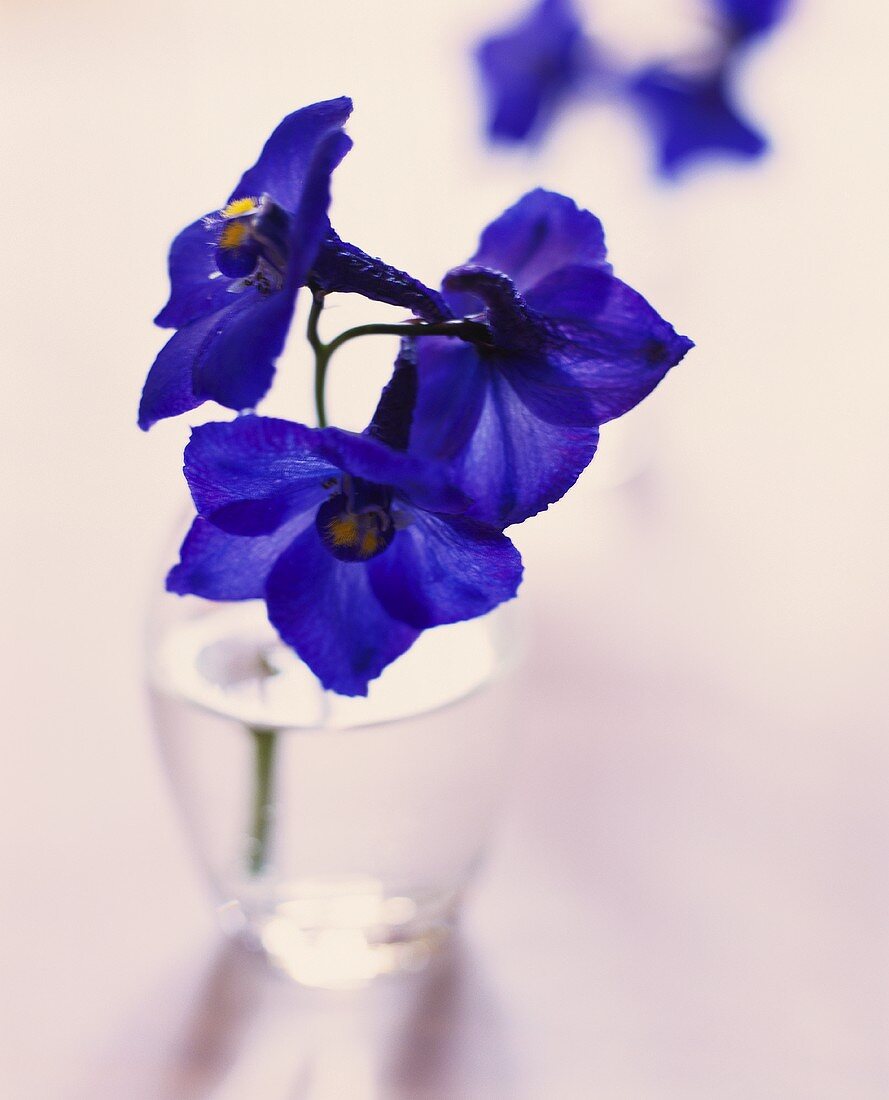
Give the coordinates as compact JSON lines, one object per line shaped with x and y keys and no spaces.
{"x":343,"y":530}
{"x":237,"y":208}
{"x":360,"y":533}
{"x":233,"y":235}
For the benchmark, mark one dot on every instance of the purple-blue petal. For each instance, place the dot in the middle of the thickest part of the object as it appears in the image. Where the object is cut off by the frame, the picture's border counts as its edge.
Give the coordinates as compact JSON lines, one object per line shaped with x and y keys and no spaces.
{"x":197,"y":287}
{"x":394,"y":414}
{"x":220,"y":566}
{"x":235,"y":362}
{"x":228,"y":357}
{"x":327,"y":611}
{"x":514,"y":444}
{"x":540,"y":233}
{"x":342,"y":267}
{"x":168,"y":389}
{"x":263,"y":460}
{"x":443,"y":569}
{"x":692,"y":116}
{"x":286,"y":158}
{"x":580,"y":324}
{"x":607,"y":337}
{"x":524,"y":347}
{"x":528,"y":69}
{"x":451,"y":393}
{"x":251,"y":474}
{"x":425,"y":482}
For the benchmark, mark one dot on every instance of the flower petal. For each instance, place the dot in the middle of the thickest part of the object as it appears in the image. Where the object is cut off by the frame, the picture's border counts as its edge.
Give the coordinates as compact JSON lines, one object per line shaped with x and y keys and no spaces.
{"x":443,"y":569}
{"x":514,"y":445}
{"x":342,"y":267}
{"x":425,"y":482}
{"x":278,"y":466}
{"x":542,"y":232}
{"x":235,"y":362}
{"x":529,"y":67}
{"x":228,"y":356}
{"x":197,"y":286}
{"x":607,"y":337}
{"x":392,"y":418}
{"x":168,"y":389}
{"x":219,"y":566}
{"x":285,"y":161}
{"x":327,"y":611}
{"x":450,"y":397}
{"x":249,"y":475}
{"x":693,"y":116}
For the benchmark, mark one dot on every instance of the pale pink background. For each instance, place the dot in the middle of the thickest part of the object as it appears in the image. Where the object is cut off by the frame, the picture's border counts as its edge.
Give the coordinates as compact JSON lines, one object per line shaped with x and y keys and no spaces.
{"x":689,"y":897}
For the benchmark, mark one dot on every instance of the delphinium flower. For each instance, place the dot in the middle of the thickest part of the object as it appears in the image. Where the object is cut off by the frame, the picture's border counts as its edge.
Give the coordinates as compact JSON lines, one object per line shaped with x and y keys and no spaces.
{"x":235,"y":272}
{"x":530,"y":68}
{"x":566,"y":347}
{"x":355,"y":545}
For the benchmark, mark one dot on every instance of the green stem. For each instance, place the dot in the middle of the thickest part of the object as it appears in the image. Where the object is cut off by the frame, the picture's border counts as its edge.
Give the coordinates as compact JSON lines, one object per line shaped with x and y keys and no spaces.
{"x":264,"y":745}
{"x":322,"y":355}
{"x":465,"y":330}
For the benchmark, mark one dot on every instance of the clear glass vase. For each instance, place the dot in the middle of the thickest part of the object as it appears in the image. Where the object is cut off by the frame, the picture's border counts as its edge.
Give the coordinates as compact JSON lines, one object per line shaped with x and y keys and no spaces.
{"x":337,"y":834}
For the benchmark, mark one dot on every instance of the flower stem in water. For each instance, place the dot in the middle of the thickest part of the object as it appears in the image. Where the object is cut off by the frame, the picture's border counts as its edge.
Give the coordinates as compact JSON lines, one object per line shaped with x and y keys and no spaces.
{"x":265,"y":744}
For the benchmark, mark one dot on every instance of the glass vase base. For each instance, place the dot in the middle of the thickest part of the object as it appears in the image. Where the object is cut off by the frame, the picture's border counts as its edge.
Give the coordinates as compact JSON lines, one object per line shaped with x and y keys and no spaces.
{"x":344,"y":934}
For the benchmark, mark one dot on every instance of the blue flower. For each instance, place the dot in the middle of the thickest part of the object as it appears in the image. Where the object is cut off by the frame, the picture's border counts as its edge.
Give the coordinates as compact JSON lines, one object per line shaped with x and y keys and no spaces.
{"x":569,"y":347}
{"x":234,"y":273}
{"x":747,"y":19}
{"x":355,"y":545}
{"x":692,"y":115}
{"x":529,"y":69}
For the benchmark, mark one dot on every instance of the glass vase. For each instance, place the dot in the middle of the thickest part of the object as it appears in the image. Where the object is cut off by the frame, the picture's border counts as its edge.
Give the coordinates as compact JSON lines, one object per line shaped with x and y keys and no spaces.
{"x":337,"y":834}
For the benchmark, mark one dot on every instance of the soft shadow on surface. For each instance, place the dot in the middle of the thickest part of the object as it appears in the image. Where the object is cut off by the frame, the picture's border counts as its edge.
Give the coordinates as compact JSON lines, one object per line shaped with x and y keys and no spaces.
{"x":226,"y":999}
{"x":247,"y":1031}
{"x":454,"y":1038}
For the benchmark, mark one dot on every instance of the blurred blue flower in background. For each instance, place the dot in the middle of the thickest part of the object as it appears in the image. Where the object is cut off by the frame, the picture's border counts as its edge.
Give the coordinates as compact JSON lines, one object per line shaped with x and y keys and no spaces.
{"x":531,"y":67}
{"x":691,"y":115}
{"x":546,"y":59}
{"x":747,"y":19}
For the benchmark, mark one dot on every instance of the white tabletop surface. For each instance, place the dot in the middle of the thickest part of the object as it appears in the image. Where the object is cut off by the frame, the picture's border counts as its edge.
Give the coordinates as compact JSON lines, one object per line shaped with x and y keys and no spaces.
{"x":689,"y":895}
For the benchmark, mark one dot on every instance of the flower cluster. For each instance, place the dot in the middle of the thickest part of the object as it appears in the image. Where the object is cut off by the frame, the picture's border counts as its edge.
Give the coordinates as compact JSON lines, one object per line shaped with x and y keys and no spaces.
{"x":358,"y":542}
{"x":545,"y":58}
